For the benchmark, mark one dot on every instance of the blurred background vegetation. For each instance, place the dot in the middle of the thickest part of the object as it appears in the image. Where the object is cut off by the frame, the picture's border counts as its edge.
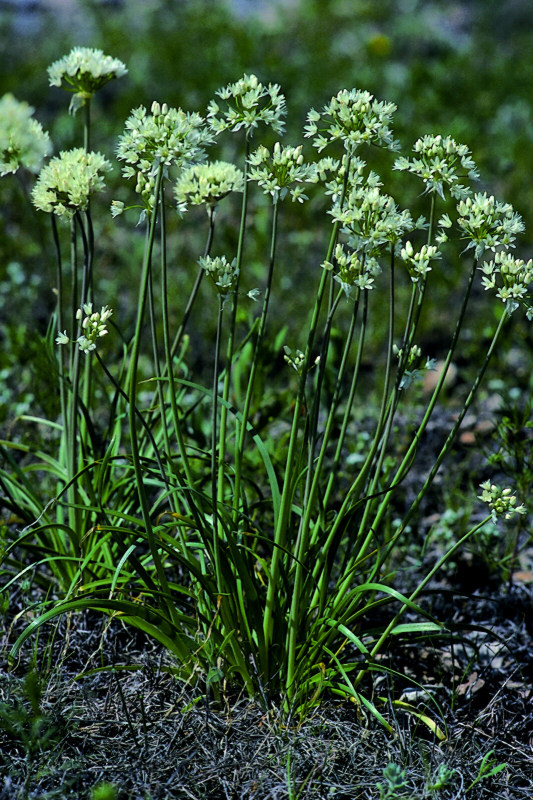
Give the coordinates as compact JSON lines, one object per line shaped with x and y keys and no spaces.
{"x":458,"y":68}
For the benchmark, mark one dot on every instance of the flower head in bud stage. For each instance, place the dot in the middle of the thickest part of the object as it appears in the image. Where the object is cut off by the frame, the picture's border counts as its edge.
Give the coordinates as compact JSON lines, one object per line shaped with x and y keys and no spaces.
{"x":354,"y":270}
{"x":500,"y":501}
{"x":352,"y":117}
{"x":512,"y":278}
{"x":83,"y":71}
{"x":418,"y":264}
{"x":166,"y":136}
{"x":277,"y":173}
{"x":296,"y":360}
{"x":66,"y":183}
{"x":207,"y":184}
{"x":485,"y":222}
{"x":222,"y":273}
{"x":93,"y":325}
{"x":441,"y":162}
{"x":248,"y":102}
{"x":23,"y":142}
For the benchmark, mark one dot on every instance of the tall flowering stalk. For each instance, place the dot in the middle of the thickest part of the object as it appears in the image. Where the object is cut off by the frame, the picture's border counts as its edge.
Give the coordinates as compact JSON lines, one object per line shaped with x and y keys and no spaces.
{"x":247,"y":103}
{"x":63,"y":189}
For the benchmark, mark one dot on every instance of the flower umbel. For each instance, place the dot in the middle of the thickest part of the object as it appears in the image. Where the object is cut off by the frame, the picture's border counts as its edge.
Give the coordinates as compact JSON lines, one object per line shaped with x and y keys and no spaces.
{"x":207,"y":184}
{"x":248,"y":104}
{"x":500,"y":501}
{"x":354,"y":270}
{"x":485,"y":222}
{"x":441,"y":162}
{"x":83,"y":71}
{"x":166,"y":136}
{"x":93,"y":325}
{"x":277,"y":173}
{"x":353,"y":117}
{"x":370,"y":218}
{"x":418,"y":263}
{"x":223,"y":273}
{"x":23,"y":142}
{"x":511,"y":277}
{"x":66,"y":183}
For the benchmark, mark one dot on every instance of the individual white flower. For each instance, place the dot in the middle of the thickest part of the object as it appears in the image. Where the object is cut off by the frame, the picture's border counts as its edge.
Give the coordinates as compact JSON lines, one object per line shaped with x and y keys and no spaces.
{"x":441,"y":163}
{"x":66,"y":183}
{"x":83,"y":71}
{"x":352,"y":117}
{"x":62,"y":338}
{"x":23,"y":142}
{"x":248,"y":103}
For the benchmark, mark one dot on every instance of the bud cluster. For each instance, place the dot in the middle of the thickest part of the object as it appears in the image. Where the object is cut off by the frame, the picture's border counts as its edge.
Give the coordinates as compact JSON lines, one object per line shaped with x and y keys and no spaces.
{"x":500,"y":501}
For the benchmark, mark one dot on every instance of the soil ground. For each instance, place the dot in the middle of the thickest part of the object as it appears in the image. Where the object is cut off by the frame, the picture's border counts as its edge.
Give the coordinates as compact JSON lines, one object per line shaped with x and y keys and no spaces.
{"x":134,"y":725}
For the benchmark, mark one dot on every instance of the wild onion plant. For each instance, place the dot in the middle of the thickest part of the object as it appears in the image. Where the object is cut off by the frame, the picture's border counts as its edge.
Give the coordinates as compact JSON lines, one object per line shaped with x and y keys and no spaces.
{"x":248,"y":550}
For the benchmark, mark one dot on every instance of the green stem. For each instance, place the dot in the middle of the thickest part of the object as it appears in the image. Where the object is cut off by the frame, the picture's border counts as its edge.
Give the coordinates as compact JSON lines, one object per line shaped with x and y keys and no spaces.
{"x":214,"y":472}
{"x":63,"y":395}
{"x":406,"y":461}
{"x":186,"y":485}
{"x":231,"y":337}
{"x":132,"y":394}
{"x":287,"y":491}
{"x":255,"y":362}
{"x":87,"y":124}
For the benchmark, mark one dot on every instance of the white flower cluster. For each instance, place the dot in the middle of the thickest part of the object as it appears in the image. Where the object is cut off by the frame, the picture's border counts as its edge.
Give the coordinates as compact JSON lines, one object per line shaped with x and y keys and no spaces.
{"x":371,"y":219}
{"x":354,"y":270}
{"x":418,"y":264}
{"x":66,"y":183}
{"x":352,"y":117}
{"x":223,"y":273}
{"x":23,"y":142}
{"x":277,"y":173}
{"x":441,"y":162}
{"x":248,"y":104}
{"x":167,"y":136}
{"x":500,"y":501}
{"x":93,"y":325}
{"x":485,"y":222}
{"x":512,"y":277}
{"x":207,"y":184}
{"x":83,"y":71}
